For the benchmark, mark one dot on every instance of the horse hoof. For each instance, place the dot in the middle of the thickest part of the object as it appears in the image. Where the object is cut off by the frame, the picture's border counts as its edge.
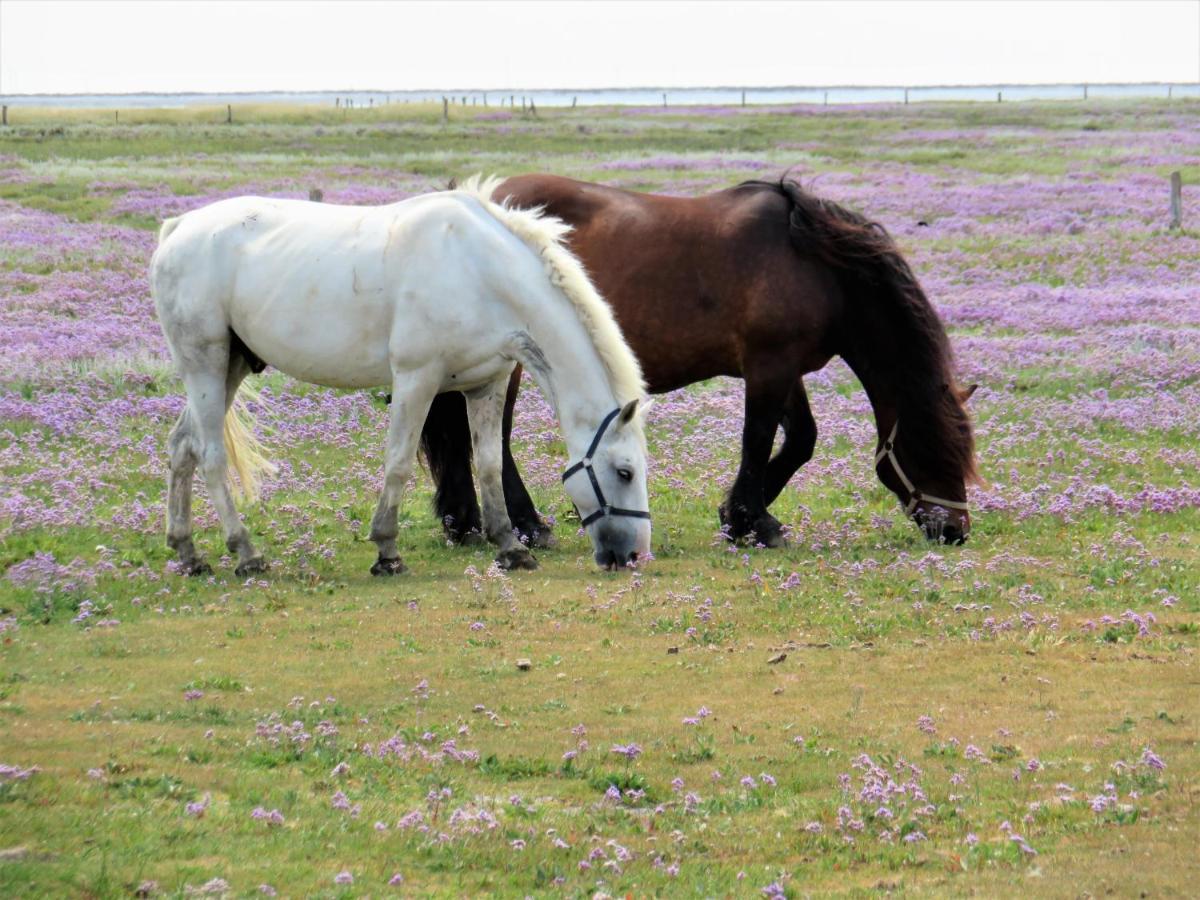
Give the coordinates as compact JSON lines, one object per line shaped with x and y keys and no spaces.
{"x":543,"y":539}
{"x":769,"y":533}
{"x":518,"y":558}
{"x":254,"y":566}
{"x":773,"y":540}
{"x":388,"y":566}
{"x":197,"y":569}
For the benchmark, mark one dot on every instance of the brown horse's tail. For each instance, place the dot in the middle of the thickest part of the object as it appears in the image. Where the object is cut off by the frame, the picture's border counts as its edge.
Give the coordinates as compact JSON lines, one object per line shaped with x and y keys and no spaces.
{"x":898,"y":333}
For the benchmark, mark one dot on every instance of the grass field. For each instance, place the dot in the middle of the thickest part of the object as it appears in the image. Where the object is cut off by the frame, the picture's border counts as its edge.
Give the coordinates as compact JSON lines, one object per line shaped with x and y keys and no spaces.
{"x":1018,"y":715}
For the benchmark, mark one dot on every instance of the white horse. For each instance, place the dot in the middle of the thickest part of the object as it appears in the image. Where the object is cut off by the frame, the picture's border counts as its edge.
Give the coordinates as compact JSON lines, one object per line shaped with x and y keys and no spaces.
{"x":444,"y":292}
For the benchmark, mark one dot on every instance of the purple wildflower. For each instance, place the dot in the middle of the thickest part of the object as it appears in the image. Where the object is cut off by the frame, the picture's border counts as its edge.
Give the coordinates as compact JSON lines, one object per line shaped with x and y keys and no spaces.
{"x":1152,"y":759}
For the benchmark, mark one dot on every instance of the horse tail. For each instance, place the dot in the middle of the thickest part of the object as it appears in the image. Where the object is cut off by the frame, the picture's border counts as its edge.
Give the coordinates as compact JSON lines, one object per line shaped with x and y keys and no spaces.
{"x":246,"y":455}
{"x":167,"y":227}
{"x":913,"y":342}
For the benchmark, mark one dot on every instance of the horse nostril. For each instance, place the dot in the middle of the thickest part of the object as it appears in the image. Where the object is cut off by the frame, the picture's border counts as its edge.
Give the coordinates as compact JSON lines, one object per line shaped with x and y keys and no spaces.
{"x":633,"y":557}
{"x":951,"y":534}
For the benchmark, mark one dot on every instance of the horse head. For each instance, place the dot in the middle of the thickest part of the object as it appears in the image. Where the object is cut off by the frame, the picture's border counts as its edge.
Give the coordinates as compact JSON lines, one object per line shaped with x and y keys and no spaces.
{"x":608,"y":488}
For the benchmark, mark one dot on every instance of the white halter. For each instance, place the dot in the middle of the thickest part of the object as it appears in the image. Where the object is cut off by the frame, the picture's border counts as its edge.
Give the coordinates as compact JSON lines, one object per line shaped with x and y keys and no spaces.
{"x":915,"y":496}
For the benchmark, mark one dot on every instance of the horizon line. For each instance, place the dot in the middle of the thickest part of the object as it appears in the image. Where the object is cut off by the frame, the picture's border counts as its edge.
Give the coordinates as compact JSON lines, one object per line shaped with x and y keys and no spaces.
{"x":568,"y":90}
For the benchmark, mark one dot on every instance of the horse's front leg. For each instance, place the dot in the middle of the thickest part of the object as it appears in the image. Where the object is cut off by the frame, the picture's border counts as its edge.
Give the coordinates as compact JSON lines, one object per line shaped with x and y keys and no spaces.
{"x":521,"y":511}
{"x":446,"y":439}
{"x":412,"y":394}
{"x":485,"y":410}
{"x":744,"y":512}
{"x":799,"y":440}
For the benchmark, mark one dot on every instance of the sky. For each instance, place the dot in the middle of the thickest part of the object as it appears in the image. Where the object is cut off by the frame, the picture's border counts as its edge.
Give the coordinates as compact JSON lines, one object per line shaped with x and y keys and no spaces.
{"x":118,"y":46}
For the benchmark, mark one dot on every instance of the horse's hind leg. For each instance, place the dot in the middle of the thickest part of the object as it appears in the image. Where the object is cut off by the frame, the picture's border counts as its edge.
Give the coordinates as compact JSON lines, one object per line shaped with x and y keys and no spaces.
{"x":799,"y":440}
{"x":210,"y":393}
{"x":485,"y":410}
{"x":183,"y":454}
{"x":411,"y":399}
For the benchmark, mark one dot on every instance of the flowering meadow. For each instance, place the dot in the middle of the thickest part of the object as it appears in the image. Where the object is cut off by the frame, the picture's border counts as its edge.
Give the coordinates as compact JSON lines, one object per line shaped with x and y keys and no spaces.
{"x":860,"y":712}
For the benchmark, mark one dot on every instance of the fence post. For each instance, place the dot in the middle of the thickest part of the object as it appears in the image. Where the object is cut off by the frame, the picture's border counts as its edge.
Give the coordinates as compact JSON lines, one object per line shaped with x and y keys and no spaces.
{"x":116,"y":117}
{"x":445,"y":110}
{"x":743,"y":98}
{"x":1176,"y":200}
{"x":574,"y":102}
{"x":4,"y":115}
{"x":827,"y":98}
{"x":1170,"y":87}
{"x":316,"y":195}
{"x":906,"y":96}
{"x":229,"y":114}
{"x":664,"y":100}
{"x":997,"y":96}
{"x":532,"y":108}
{"x":1085,"y":87}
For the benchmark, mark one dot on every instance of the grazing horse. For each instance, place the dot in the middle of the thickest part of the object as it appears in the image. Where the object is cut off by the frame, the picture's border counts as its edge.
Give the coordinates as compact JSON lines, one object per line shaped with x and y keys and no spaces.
{"x":766,"y":282}
{"x":446,"y":292}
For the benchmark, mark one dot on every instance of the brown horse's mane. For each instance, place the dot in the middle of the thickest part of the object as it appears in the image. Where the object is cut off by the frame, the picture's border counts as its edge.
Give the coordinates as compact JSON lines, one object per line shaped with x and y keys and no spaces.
{"x":908,"y":347}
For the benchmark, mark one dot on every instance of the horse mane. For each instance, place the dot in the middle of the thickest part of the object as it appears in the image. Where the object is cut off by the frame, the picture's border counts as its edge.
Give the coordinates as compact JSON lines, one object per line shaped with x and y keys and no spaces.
{"x":914,"y":347}
{"x":544,"y":235}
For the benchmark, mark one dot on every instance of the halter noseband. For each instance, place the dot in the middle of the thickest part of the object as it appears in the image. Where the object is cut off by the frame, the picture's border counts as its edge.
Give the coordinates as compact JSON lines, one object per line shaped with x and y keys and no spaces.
{"x":914,"y":496}
{"x":586,"y":464}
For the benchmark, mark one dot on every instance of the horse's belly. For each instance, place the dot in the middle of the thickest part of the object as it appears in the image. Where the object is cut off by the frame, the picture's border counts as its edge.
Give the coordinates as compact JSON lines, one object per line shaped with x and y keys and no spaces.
{"x":340,"y":365}
{"x":338,"y":339}
{"x":468,"y":375}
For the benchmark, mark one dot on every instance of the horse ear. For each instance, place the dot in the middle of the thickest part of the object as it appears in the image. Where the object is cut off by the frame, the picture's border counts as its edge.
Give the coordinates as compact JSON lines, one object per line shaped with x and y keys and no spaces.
{"x":968,"y":393}
{"x":628,"y":411}
{"x":645,"y":407}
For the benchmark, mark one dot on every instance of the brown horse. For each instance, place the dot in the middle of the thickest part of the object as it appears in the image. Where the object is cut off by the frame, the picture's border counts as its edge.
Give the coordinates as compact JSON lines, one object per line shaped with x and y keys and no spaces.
{"x":766,"y":282}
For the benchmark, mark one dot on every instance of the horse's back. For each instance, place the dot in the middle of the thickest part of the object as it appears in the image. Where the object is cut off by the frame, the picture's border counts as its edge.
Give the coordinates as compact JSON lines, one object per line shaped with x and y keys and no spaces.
{"x":247,"y":239}
{"x":693,"y":281}
{"x":331,"y":294}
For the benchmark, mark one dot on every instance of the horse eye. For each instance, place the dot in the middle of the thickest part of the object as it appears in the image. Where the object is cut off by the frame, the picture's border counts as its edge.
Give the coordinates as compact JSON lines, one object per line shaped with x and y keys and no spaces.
{"x":625,"y":474}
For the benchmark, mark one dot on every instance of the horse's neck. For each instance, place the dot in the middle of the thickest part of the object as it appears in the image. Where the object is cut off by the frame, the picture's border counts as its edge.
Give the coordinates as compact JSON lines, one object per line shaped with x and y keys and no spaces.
{"x":879,"y":370}
{"x":563,"y":361}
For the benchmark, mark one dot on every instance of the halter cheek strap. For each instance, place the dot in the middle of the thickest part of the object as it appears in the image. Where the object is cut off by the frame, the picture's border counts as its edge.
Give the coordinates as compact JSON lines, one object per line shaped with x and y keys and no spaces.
{"x":604,"y":509}
{"x":915,"y":497}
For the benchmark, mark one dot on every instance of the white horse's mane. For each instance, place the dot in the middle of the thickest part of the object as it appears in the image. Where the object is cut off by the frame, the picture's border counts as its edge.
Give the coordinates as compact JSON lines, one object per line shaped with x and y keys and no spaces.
{"x":544,"y":235}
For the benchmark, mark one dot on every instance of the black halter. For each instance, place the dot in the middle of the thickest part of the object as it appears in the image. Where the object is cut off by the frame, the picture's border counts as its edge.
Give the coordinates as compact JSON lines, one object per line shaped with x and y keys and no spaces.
{"x":586,"y":464}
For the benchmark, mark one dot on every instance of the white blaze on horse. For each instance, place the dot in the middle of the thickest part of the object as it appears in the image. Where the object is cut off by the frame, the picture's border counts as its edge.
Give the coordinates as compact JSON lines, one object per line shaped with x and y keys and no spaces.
{"x":444,"y":292}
